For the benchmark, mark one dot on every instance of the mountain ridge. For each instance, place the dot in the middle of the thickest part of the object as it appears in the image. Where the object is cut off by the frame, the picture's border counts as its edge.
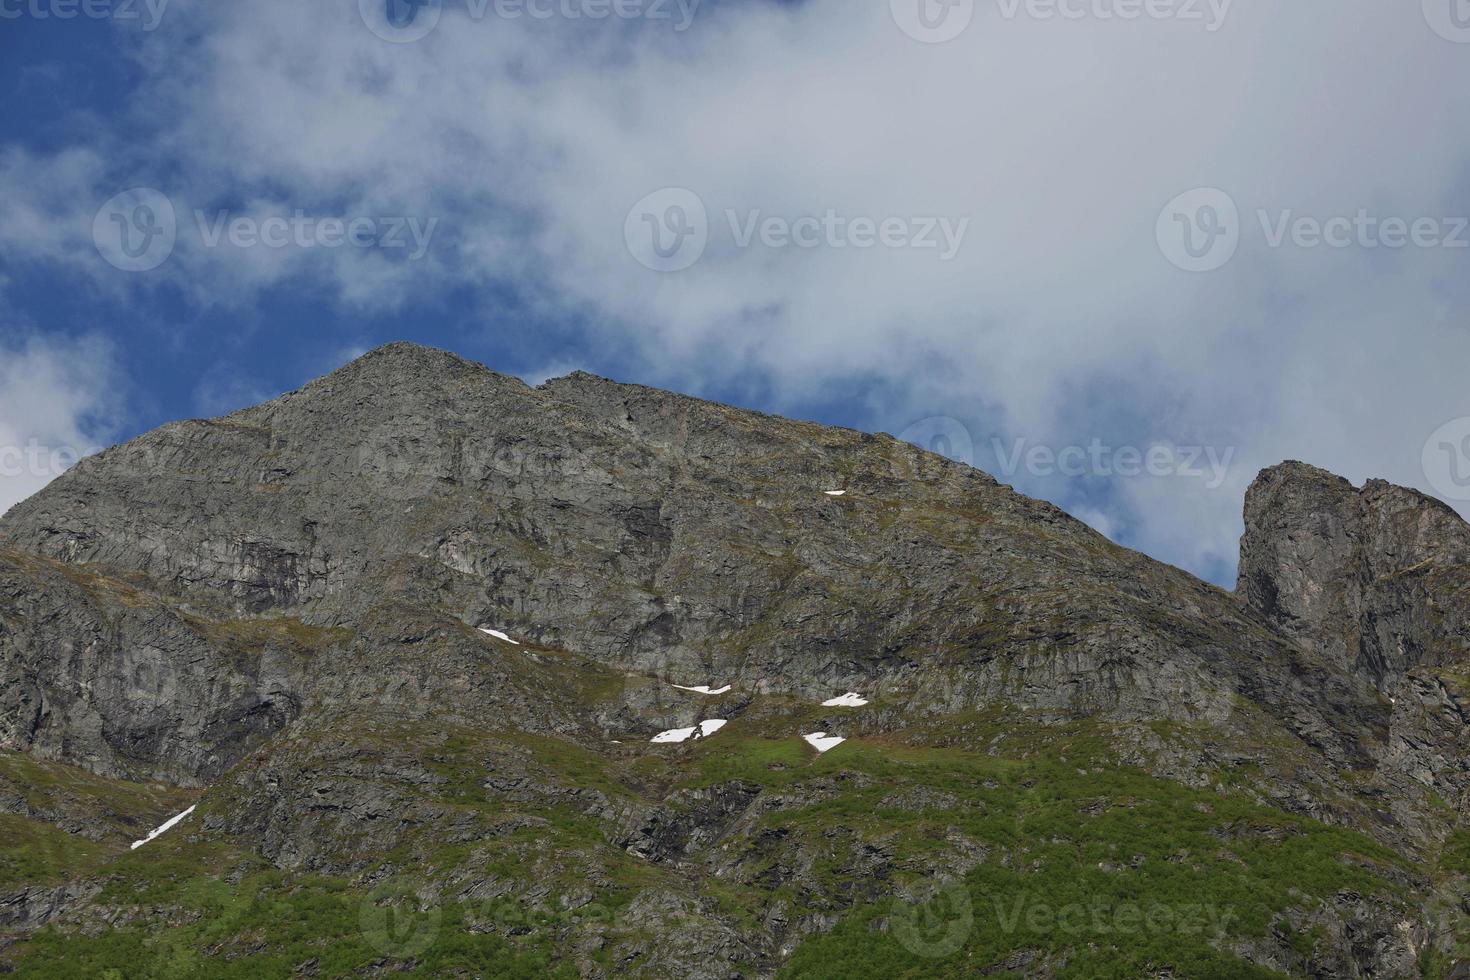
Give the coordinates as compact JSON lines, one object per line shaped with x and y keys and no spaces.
{"x":295,"y":611}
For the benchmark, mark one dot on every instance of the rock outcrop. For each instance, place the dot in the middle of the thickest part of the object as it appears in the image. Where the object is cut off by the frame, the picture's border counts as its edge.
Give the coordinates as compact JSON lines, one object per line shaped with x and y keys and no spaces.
{"x":1375,"y":579}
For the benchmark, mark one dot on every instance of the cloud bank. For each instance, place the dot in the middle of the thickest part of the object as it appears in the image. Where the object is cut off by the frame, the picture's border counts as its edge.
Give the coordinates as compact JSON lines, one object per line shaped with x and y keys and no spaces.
{"x":794,"y":138}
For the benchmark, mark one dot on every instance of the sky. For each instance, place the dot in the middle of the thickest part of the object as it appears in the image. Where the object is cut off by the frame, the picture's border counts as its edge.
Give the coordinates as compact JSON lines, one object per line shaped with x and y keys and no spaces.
{"x":1122,"y":254}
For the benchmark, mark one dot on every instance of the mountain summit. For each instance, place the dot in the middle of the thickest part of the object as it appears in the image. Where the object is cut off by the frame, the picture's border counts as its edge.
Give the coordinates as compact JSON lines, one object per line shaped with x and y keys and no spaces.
{"x":601,"y":679}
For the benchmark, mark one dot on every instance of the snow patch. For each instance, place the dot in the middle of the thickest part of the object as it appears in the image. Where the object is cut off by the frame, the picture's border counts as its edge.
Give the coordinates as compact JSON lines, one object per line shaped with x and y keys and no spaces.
{"x":500,"y":636}
{"x":835,"y":493}
{"x":165,"y":828}
{"x":706,"y":689}
{"x":820,"y":741}
{"x":703,"y":730}
{"x":849,"y":700}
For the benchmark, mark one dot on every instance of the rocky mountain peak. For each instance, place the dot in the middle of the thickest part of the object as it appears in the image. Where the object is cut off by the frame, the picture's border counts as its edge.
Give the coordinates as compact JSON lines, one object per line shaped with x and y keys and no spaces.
{"x":1361,"y":574}
{"x":404,"y":362}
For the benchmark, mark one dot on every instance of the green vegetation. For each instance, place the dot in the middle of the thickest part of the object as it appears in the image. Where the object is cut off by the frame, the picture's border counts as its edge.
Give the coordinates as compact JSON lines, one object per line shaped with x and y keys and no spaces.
{"x":1048,"y":853}
{"x":33,"y":853}
{"x":117,"y":812}
{"x":271,"y":924}
{"x":1099,"y":870}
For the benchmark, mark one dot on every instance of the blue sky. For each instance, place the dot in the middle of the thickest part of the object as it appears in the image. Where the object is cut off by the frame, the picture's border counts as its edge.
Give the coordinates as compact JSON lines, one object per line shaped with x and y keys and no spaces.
{"x":1120,"y":262}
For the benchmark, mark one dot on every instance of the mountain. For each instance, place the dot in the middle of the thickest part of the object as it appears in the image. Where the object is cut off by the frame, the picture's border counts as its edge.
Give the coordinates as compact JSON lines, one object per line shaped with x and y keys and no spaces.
{"x":404,"y":639}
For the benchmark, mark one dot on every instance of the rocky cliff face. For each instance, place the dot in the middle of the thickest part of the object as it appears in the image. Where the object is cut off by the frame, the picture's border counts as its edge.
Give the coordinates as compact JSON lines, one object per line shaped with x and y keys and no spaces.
{"x":286,"y":609}
{"x":1373,"y":578}
{"x":652,"y":533}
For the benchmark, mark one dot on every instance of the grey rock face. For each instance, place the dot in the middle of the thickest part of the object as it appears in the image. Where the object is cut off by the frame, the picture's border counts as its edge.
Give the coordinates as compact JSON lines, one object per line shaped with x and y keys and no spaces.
{"x":102,"y":675}
{"x":652,"y":532}
{"x":32,"y":908}
{"x":1375,"y":579}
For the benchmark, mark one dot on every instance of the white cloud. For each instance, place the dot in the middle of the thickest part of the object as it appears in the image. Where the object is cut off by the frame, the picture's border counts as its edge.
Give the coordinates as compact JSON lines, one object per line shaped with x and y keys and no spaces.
{"x":57,"y":399}
{"x":1059,"y":321}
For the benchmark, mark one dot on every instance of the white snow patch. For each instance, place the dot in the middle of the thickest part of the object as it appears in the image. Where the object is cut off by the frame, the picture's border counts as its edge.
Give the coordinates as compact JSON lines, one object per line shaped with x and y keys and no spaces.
{"x":835,"y":493}
{"x":846,"y":701}
{"x":165,"y":828}
{"x":703,"y":730}
{"x":820,"y":741}
{"x":706,"y":689}
{"x":500,"y":636}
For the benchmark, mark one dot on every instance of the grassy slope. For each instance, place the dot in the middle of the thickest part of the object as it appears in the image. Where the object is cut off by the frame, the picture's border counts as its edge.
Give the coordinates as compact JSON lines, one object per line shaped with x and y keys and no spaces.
{"x":1092,"y":868}
{"x":34,"y":852}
